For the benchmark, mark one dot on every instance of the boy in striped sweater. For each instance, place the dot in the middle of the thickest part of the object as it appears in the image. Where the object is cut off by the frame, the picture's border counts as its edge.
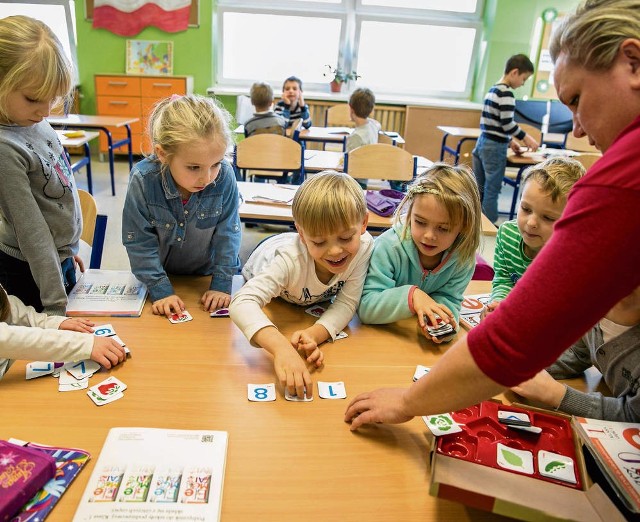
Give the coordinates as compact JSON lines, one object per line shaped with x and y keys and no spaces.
{"x":498,"y":127}
{"x":545,"y":187}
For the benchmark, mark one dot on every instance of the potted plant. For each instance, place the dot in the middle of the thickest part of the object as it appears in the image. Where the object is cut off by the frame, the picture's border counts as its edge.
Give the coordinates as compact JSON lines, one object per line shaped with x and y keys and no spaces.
{"x":339,"y":77}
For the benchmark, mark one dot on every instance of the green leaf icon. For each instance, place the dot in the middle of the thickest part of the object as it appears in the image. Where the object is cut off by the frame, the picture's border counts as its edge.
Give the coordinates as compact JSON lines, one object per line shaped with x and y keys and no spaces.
{"x":554,"y":465}
{"x":442,"y":422}
{"x":512,"y":458}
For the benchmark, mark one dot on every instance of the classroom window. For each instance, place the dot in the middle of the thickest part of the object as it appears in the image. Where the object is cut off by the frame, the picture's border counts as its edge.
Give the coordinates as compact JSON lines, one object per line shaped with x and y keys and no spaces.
{"x":405,"y":47}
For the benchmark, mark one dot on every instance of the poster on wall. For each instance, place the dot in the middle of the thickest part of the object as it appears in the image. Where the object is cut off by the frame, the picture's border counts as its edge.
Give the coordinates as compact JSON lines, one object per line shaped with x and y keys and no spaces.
{"x":149,"y":57}
{"x":543,"y":87}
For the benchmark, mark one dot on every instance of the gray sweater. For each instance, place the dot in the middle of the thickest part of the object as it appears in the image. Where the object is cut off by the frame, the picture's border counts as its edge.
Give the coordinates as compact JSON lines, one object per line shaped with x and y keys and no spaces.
{"x":40,"y":218}
{"x":618,"y":361}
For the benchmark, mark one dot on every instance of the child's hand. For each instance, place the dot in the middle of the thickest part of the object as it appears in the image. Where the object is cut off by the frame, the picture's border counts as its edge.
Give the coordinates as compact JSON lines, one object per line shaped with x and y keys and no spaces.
{"x":542,"y":388}
{"x":292,"y":373}
{"x":531,"y":143}
{"x":212,"y":300}
{"x":515,"y":146}
{"x":424,"y":305}
{"x":77,"y":325}
{"x":488,"y":309}
{"x":79,"y":262}
{"x":107,"y":352}
{"x":302,"y":341}
{"x":168,"y":306}
{"x":301,"y":100}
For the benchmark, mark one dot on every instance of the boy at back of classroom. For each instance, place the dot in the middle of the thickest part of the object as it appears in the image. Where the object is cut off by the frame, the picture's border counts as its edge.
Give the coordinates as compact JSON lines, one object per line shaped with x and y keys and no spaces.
{"x":361,"y":104}
{"x":265,"y":120}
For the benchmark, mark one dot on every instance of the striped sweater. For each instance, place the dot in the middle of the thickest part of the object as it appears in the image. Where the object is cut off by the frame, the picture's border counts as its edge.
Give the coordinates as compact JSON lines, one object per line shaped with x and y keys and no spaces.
{"x":497,"y":114}
{"x":509,"y":262}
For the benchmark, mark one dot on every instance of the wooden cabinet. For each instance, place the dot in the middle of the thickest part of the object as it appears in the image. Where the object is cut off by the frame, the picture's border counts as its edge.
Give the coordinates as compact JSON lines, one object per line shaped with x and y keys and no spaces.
{"x":127,"y":95}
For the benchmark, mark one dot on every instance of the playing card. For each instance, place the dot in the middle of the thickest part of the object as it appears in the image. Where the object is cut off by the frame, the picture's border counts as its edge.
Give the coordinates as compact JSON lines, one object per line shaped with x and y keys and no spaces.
{"x":220,"y":312}
{"x":95,"y":397}
{"x":77,"y":384}
{"x":104,"y":330}
{"x":108,"y":388}
{"x":261,"y":392}
{"x":556,"y":466}
{"x":514,"y":459}
{"x":332,"y":390}
{"x":512,"y":415}
{"x":341,"y":335}
{"x":38,"y":369}
{"x":66,"y":377}
{"x":82,"y":369}
{"x":315,"y":310}
{"x":442,"y":424}
{"x":421,"y":371}
{"x":182,"y":317}
{"x":295,"y":398}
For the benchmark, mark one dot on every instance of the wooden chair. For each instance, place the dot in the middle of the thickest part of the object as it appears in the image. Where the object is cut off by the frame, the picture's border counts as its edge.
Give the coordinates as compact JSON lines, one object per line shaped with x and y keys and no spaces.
{"x":579,"y":144}
{"x":380,"y":161}
{"x":274,"y":129}
{"x":387,"y":140}
{"x":587,"y":159}
{"x":272,"y":155}
{"x":338,"y":116}
{"x":94,"y":227}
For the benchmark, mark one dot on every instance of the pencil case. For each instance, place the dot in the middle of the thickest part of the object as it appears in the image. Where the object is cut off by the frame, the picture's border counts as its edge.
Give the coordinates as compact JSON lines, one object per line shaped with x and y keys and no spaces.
{"x":23,"y":472}
{"x":383,"y":202}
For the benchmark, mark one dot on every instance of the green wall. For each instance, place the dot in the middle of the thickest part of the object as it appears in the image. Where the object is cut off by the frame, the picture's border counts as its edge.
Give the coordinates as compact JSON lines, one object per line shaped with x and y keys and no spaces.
{"x":509,"y":26}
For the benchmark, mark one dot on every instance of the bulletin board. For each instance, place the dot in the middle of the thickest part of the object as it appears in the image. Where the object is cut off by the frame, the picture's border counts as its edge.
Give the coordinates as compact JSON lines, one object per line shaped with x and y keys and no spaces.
{"x":543,"y":87}
{"x":194,"y":16}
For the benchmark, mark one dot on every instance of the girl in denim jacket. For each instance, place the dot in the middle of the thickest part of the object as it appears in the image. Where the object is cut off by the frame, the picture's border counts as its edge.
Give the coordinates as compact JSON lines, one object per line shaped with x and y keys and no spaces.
{"x":180,"y":215}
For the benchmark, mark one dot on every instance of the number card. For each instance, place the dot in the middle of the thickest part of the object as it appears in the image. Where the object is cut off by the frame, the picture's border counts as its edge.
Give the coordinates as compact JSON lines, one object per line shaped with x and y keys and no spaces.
{"x":38,"y":369}
{"x":261,"y":392}
{"x":332,"y":390}
{"x":421,"y":371}
{"x":104,"y":330}
{"x":295,"y":398}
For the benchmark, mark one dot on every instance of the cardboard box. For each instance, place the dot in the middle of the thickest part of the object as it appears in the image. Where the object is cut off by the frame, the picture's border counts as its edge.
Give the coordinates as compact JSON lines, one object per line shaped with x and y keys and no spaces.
{"x":513,"y":494}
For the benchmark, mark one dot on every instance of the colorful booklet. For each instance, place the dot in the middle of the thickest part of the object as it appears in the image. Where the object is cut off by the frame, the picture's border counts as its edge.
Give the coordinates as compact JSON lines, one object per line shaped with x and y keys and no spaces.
{"x":67,"y":464}
{"x":157,"y":474}
{"x":107,"y":292}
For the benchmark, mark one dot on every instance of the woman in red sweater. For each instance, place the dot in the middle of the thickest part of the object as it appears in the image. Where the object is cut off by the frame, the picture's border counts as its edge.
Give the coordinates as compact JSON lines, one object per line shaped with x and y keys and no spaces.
{"x":593,"y":258}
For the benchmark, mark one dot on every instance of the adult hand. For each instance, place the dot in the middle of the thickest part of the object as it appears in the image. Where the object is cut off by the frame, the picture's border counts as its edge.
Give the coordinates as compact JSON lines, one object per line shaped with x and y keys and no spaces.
{"x":385,"y":405}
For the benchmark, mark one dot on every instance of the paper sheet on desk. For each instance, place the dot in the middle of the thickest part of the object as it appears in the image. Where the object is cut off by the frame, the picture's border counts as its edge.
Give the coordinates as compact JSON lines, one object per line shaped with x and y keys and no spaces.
{"x":274,"y":195}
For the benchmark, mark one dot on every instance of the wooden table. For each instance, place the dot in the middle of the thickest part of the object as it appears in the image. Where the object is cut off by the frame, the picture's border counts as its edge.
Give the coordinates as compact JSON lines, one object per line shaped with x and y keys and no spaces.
{"x":80,"y":141}
{"x":319,"y":160}
{"x":101,"y":123}
{"x":285,"y":461}
{"x":462,"y":133}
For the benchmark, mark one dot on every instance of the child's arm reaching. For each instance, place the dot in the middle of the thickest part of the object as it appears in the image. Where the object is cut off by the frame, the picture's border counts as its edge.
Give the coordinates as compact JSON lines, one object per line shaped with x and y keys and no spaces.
{"x":308,"y":340}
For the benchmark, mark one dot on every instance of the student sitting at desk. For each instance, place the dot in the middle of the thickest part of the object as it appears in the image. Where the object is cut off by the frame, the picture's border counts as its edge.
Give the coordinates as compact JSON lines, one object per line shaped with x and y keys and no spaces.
{"x":52,"y":338}
{"x":264,"y":120}
{"x":181,"y":210}
{"x":422,"y":265}
{"x":545,"y":187}
{"x":292,"y":107}
{"x":361,"y":105}
{"x":327,"y":258}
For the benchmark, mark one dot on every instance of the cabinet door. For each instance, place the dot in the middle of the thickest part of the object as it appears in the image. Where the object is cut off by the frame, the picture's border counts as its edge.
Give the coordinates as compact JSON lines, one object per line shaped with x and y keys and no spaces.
{"x":162,"y":87}
{"x":117,"y":86}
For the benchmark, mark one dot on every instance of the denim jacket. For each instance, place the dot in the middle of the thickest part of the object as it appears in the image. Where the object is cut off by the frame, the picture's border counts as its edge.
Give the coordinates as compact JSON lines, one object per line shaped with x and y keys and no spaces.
{"x":163,"y":236}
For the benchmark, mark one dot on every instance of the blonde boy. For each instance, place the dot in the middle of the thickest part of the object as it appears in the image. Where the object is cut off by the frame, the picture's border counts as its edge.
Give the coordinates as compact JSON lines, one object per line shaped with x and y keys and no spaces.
{"x":327,"y":259}
{"x":545,"y":187}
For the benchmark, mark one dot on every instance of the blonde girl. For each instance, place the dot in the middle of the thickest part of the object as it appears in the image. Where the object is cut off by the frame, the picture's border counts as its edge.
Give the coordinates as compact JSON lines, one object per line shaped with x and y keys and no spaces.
{"x":40,"y":219}
{"x":422,"y":265}
{"x":181,"y":210}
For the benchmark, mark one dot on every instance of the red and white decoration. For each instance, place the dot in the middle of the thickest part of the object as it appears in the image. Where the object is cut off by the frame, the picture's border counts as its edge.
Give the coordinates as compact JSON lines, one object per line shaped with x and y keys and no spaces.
{"x":129,"y":17}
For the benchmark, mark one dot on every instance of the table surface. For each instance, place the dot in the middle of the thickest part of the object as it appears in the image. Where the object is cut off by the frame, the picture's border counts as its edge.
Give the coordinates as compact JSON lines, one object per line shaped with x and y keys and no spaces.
{"x":82,"y":120}
{"x":461,"y":132}
{"x":76,"y":141}
{"x":319,"y":160}
{"x":285,"y":460}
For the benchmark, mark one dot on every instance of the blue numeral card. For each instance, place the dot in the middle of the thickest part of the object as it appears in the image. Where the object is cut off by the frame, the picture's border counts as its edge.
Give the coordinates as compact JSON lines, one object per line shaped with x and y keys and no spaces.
{"x":261,"y":392}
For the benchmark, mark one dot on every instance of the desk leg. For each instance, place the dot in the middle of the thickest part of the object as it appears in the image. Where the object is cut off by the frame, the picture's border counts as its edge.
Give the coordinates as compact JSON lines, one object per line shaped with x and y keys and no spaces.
{"x":130,"y":147}
{"x":112,"y":166}
{"x":87,"y":152}
{"x":516,"y":190}
{"x":443,"y":147}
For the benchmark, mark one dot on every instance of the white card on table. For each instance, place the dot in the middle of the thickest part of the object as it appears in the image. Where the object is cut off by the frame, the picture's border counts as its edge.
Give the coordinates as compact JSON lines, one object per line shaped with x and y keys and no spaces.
{"x":38,"y":369}
{"x":421,"y":371}
{"x":66,"y":378}
{"x":103,"y":330}
{"x":101,"y":401}
{"x":261,"y":392}
{"x":220,"y":312}
{"x":182,"y":317}
{"x":118,"y":340}
{"x":77,"y":384}
{"x":108,"y":388}
{"x":556,"y":466}
{"x":82,"y":369}
{"x":514,"y":459}
{"x":316,"y":310}
{"x":295,"y":398}
{"x":332,"y":390}
{"x":341,"y":335}
{"x":442,"y":424}
{"x":513,"y":415}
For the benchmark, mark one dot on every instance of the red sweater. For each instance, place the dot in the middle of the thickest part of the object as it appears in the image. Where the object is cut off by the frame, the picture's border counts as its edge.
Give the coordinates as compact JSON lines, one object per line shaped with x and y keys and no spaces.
{"x":591,"y":262}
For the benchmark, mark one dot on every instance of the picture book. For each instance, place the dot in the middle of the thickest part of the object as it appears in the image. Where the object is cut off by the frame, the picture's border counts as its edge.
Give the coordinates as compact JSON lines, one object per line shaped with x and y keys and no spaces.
{"x":68,"y":463}
{"x":615,"y":447}
{"x":471,"y":309}
{"x":107,"y":292}
{"x":157,"y":474}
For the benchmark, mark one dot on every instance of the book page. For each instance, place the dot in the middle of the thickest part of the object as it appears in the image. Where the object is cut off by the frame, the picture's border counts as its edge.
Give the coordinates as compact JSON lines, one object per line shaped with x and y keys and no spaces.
{"x":157,"y":474}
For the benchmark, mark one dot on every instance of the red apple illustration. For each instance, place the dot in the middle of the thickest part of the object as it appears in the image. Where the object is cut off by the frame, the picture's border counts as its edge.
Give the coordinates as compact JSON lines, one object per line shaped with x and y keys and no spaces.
{"x":108,"y":388}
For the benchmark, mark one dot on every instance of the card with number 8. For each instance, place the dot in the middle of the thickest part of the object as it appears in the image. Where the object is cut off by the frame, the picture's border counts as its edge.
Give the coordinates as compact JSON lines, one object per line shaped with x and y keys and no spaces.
{"x":261,"y":392}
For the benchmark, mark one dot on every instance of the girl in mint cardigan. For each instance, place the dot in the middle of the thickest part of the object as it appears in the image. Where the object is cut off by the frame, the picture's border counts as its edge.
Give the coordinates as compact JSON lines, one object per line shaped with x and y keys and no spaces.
{"x":423,"y":264}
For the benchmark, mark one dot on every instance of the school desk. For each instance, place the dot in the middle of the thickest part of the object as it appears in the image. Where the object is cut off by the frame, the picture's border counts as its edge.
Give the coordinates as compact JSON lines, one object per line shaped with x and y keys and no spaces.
{"x":462,"y":133}
{"x":319,"y":160}
{"x":337,"y":135}
{"x":79,"y":141}
{"x":101,"y":123}
{"x":256,"y":212}
{"x":286,"y":460}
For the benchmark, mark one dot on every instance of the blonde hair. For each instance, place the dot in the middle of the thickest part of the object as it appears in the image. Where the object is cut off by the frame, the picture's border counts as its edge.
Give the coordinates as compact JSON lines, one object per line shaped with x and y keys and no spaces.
{"x":455,"y":188}
{"x":32,"y":57}
{"x":556,"y":176}
{"x":261,"y":95}
{"x":329,"y":202}
{"x":182,"y":119}
{"x":5,"y":305}
{"x":591,"y":36}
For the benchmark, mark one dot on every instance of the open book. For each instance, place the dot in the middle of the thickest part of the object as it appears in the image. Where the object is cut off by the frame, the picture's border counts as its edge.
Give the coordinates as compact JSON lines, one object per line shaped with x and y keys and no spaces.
{"x":615,"y":447}
{"x":156,"y":474}
{"x":107,"y":292}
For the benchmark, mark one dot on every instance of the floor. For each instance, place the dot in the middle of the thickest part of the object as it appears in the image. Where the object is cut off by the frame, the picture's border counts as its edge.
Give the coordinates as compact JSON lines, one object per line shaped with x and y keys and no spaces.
{"x":115,"y":255}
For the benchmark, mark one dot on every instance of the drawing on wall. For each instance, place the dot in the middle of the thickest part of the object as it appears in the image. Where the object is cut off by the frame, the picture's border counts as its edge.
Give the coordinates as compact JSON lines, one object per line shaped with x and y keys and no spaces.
{"x":149,"y":57}
{"x":543,"y":77}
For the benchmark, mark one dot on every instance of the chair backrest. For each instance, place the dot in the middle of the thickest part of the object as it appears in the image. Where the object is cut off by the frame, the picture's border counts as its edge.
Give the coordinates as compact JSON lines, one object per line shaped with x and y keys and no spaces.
{"x":380,"y":161}
{"x":94,"y":227}
{"x":274,"y":129}
{"x":587,"y":159}
{"x":579,"y":144}
{"x":338,"y":116}
{"x":387,"y":140}
{"x":269,"y":152}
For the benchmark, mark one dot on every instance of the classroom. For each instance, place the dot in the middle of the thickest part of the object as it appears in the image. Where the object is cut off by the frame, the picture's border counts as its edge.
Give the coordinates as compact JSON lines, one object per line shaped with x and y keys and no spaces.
{"x":320,"y":294}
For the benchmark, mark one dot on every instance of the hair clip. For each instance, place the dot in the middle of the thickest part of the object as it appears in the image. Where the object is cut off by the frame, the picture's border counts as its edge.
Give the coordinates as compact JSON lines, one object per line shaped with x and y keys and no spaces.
{"x":175,"y":97}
